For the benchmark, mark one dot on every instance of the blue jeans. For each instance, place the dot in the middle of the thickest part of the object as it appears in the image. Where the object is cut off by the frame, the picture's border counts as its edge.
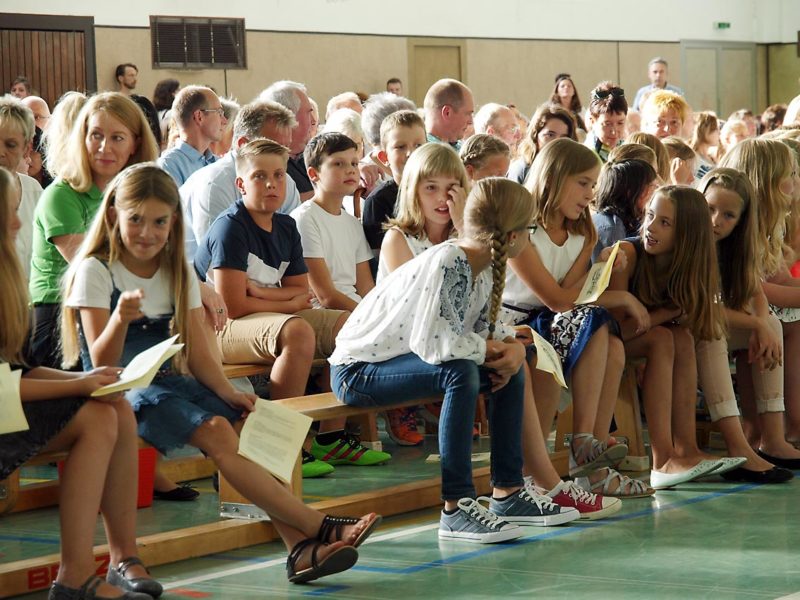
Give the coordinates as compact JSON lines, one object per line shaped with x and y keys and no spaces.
{"x":407,"y":377}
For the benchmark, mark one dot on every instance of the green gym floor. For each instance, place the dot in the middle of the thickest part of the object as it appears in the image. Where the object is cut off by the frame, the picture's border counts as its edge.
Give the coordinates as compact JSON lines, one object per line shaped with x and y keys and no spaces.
{"x":707,"y":539}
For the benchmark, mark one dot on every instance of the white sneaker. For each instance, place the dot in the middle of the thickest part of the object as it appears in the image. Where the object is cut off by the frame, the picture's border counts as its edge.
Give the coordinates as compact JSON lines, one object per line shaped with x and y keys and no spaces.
{"x":473,"y":522}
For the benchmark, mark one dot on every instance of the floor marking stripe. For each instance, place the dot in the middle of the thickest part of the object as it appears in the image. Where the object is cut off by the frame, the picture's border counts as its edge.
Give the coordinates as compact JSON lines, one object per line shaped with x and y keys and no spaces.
{"x":460,"y":557}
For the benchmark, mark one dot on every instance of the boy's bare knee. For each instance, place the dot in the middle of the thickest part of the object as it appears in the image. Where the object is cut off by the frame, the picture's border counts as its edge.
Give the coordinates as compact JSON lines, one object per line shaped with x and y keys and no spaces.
{"x":340,"y":322}
{"x":297,"y":335}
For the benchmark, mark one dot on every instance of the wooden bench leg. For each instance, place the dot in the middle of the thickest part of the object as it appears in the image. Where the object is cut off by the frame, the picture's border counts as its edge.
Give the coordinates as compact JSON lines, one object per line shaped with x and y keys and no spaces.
{"x":9,"y":492}
{"x":368,"y":423}
{"x":628,"y":417}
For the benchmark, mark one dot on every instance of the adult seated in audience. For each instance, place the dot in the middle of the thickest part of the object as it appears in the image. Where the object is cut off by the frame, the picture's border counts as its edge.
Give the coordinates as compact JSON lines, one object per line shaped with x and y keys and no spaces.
{"x":344,"y":100}
{"x":126,"y":75}
{"x":21,"y":87}
{"x":151,"y":114}
{"x":448,"y":112}
{"x":746,"y":115}
{"x":211,"y":190}
{"x":163,"y":97}
{"x":294,"y":96}
{"x":394,"y":86}
{"x":664,"y":113}
{"x":565,"y":94}
{"x":499,"y":121}
{"x":376,"y":109}
{"x":41,"y":112}
{"x":657,"y":71}
{"x":56,"y":136}
{"x":16,"y":133}
{"x":201,"y":120}
{"x":608,"y":111}
{"x":550,"y":122}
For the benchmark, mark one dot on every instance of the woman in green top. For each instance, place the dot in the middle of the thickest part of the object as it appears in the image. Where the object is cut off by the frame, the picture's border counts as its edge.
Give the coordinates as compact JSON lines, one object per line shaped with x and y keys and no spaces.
{"x":110,"y":133}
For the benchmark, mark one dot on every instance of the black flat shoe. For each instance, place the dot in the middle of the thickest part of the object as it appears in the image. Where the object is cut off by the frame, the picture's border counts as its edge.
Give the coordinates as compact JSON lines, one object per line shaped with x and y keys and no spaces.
{"x":774,"y":475}
{"x":137,"y":585}
{"x":88,"y":591}
{"x":182,"y":493}
{"x":787,"y":463}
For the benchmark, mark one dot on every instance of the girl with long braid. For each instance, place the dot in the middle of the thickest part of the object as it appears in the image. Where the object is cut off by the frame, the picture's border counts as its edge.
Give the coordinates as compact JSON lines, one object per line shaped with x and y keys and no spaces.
{"x":430,"y":328}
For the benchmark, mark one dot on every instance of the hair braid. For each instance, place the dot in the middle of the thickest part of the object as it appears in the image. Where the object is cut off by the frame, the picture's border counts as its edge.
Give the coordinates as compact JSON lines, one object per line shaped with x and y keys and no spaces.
{"x":499,"y":258}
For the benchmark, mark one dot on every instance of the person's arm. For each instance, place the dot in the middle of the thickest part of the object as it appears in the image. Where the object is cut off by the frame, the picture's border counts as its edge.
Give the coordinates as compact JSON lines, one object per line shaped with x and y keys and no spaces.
{"x":639,"y":320}
{"x":394,"y":250}
{"x":68,"y":245}
{"x":231,"y":284}
{"x":42,"y":383}
{"x":105,"y":331}
{"x":529,"y":268}
{"x":321,"y":283}
{"x":364,"y":280}
{"x":207,"y":369}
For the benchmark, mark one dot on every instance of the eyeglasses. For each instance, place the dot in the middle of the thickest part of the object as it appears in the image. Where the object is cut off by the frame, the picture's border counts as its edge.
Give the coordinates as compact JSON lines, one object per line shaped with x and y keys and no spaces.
{"x":219,"y":111}
{"x":603,"y":94}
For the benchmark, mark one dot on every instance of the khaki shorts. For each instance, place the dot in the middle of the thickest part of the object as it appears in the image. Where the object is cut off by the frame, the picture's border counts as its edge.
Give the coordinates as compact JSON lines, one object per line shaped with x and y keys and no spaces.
{"x":254,"y":338}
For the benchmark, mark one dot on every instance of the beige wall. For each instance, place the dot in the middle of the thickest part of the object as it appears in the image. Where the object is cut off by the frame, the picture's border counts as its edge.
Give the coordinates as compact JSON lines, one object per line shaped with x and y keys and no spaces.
{"x":518,"y":71}
{"x":784,"y":73}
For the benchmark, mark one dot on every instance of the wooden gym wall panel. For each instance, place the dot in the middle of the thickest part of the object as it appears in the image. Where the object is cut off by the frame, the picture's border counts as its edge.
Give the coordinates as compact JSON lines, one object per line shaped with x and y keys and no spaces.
{"x":784,"y":73}
{"x":633,"y":59}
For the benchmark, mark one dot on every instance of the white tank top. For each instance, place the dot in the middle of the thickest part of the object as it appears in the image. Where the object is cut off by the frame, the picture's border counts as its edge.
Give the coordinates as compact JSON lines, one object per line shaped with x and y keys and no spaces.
{"x":558,"y":260}
{"x":415,"y":244}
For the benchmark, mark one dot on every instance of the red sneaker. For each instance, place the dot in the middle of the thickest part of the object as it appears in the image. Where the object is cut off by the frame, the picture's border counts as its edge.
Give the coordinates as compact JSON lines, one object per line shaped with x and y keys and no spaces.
{"x":401,"y":425}
{"x":591,"y":506}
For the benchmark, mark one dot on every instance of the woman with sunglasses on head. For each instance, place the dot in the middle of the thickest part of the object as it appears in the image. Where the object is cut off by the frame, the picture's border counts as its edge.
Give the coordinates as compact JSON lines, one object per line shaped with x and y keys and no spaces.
{"x":608,"y":110}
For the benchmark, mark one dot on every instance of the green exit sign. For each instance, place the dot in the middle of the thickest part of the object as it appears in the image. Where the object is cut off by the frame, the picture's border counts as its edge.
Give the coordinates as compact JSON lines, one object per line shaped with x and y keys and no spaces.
{"x":722,"y":25}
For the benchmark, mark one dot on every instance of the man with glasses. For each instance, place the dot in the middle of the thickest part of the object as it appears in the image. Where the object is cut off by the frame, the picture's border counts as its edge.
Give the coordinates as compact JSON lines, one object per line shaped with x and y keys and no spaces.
{"x":499,"y":121}
{"x":657,"y":70}
{"x":201,"y":120}
{"x":608,"y":110}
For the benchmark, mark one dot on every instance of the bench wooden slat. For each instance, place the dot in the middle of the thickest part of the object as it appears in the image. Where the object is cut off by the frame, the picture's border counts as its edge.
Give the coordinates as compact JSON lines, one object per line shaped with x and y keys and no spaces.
{"x":327,"y":406}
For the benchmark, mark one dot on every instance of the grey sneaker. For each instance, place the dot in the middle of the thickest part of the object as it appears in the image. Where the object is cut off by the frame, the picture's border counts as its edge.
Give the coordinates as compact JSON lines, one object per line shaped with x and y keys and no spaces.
{"x":526,"y":507}
{"x":474,"y":523}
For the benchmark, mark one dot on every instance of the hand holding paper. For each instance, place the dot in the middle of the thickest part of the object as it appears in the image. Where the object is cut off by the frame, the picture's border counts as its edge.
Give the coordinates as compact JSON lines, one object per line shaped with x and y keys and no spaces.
{"x":598,"y":279}
{"x":143,"y":368}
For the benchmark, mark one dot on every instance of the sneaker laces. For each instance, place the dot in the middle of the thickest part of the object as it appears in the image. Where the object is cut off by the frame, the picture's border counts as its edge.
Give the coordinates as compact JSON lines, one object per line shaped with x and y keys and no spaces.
{"x":352,"y":440}
{"x":578,"y":493}
{"x":307,"y":457}
{"x":542,"y":502}
{"x":480,"y":513}
{"x":408,"y":419}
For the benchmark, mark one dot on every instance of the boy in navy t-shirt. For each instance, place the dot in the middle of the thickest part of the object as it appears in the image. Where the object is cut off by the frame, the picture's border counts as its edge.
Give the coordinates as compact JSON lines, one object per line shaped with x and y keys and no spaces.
{"x":255,"y":258}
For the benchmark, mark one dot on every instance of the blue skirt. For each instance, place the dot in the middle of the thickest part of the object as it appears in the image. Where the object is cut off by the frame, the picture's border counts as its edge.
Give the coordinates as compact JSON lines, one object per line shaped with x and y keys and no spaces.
{"x":171,"y":408}
{"x":569,"y":332}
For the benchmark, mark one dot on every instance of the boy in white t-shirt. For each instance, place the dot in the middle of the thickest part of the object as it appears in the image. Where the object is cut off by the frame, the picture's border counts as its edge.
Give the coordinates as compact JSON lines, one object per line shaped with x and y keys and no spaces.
{"x":336,"y":252}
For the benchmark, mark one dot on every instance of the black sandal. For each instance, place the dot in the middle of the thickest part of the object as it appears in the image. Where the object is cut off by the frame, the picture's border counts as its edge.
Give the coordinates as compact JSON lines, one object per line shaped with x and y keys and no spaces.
{"x":141,"y":585}
{"x":336,"y":562}
{"x":335,"y":525}
{"x":88,"y":591}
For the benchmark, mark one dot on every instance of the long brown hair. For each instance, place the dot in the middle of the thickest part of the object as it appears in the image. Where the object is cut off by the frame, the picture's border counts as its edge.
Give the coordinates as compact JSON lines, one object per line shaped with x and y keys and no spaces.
{"x":559,"y":160}
{"x":14,"y":297}
{"x":692,"y":278}
{"x":129,"y":189}
{"x":739,"y":271}
{"x":529,"y":145}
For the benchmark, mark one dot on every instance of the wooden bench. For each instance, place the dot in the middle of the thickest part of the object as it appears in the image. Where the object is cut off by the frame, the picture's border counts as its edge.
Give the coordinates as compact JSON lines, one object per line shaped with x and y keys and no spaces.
{"x":28,"y":575}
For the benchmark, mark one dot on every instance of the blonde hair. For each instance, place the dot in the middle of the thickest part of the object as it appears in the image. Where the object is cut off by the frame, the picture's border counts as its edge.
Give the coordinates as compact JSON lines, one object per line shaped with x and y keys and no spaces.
{"x":677,"y":148}
{"x":73,"y":164}
{"x":127,"y":191}
{"x":731,"y":127}
{"x":655,"y":144}
{"x":478,"y":148}
{"x":664,"y":100}
{"x":13,"y":111}
{"x":558,"y":160}
{"x":14,"y":299}
{"x":631,"y":151}
{"x":766,"y":163}
{"x":430,"y":160}
{"x":495,"y":207}
{"x":706,"y":122}
{"x":56,"y":135}
{"x":693,"y":274}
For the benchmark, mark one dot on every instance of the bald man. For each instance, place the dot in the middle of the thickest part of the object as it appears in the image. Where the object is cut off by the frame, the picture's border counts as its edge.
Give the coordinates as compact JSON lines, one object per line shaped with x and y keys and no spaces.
{"x":41,"y":112}
{"x":448,"y":111}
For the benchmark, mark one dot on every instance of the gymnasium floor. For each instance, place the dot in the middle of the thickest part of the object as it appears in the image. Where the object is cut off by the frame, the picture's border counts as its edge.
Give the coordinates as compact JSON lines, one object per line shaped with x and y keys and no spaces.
{"x":705,"y":540}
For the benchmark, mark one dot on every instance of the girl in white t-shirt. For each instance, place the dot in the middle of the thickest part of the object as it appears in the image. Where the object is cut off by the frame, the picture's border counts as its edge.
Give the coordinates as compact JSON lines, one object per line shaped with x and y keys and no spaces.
{"x":542,"y":287}
{"x":130,"y":288}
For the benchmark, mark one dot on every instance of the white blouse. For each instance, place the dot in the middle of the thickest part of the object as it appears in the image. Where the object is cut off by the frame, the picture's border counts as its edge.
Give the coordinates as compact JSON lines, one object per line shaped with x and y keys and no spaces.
{"x":558,"y":260}
{"x":430,"y":306}
{"x":415,"y":244}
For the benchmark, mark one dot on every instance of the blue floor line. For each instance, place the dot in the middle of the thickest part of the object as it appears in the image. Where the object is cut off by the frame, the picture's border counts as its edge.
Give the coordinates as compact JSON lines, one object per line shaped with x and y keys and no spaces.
{"x":32,"y":539}
{"x":536,"y":538}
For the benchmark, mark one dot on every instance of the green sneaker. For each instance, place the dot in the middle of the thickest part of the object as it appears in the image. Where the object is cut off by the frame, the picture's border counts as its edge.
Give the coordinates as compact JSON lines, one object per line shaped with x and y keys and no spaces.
{"x":313,"y":467}
{"x":348,"y":450}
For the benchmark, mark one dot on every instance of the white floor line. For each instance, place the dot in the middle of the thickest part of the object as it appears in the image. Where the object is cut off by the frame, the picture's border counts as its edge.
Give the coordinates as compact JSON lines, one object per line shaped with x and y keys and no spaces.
{"x":795,"y":596}
{"x":281,"y":561}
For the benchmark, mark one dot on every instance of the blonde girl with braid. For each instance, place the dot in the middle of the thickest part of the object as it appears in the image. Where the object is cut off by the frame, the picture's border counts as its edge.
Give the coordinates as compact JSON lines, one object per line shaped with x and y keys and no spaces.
{"x":485,"y":155}
{"x":430,"y":328}
{"x":541,"y":290}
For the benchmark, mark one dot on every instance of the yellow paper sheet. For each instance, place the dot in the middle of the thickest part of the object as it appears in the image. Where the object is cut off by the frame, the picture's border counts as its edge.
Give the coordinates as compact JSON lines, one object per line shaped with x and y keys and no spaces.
{"x":143,"y":368}
{"x":547,"y":358}
{"x":12,"y":417}
{"x":598,"y":278}
{"x":272,"y":437}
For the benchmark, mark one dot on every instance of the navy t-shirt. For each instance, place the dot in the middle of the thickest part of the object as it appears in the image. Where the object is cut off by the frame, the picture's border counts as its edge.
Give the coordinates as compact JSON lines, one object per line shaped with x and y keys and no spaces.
{"x":234,"y":241}
{"x":379,"y":207}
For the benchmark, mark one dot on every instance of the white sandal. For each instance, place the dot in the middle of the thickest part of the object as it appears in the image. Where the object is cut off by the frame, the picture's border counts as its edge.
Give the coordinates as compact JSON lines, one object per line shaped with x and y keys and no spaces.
{"x":627,"y":487}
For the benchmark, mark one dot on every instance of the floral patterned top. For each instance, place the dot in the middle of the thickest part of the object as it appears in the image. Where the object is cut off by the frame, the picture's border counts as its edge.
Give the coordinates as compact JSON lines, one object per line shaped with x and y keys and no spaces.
{"x":432,"y":306}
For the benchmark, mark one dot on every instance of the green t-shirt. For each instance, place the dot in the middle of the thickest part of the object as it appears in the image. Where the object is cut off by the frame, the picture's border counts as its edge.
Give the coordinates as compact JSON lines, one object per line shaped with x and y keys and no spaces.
{"x":60,"y":211}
